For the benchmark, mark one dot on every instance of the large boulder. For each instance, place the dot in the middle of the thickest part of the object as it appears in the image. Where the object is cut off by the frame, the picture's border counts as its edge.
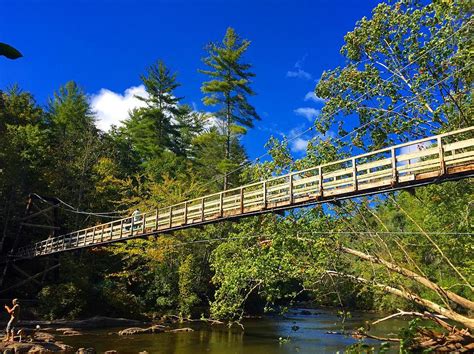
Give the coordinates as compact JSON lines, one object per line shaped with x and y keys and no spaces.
{"x":86,"y":351}
{"x":43,"y":337}
{"x":139,"y":330}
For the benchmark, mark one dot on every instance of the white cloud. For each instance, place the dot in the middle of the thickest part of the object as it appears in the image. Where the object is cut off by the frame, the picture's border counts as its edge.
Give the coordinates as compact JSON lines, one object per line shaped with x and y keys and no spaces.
{"x":309,"y":113}
{"x":298,"y":71}
{"x":311,"y":96}
{"x":112,"y":108}
{"x":213,"y":122}
{"x":300,"y":74}
{"x":298,"y":142}
{"x":299,"y":145}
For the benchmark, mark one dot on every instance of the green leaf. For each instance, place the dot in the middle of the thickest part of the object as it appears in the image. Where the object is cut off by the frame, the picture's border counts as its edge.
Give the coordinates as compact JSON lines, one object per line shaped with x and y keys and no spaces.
{"x":9,"y":52}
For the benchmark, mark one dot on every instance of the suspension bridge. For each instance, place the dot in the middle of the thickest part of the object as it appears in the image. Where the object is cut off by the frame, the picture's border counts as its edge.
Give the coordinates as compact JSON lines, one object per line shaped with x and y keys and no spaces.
{"x":433,"y":159}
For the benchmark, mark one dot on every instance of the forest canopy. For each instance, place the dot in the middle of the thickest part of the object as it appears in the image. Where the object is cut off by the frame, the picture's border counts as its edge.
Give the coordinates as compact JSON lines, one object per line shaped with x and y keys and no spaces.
{"x":407,"y":74}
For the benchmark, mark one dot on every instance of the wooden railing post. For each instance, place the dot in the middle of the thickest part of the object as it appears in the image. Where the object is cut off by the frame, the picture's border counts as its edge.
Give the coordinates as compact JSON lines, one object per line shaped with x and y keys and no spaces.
{"x":170,"y":221}
{"x":394,"y":166}
{"x":185,"y":217}
{"x":143,"y":222}
{"x":241,"y":200}
{"x":121,"y":228}
{"x":290,"y":187}
{"x":93,"y":234}
{"x":156,"y":219}
{"x":264,"y":194}
{"x":221,"y":204}
{"x":442,"y":164}
{"x":320,"y":180}
{"x":112,"y":230}
{"x":354,"y":173}
{"x":203,"y":215}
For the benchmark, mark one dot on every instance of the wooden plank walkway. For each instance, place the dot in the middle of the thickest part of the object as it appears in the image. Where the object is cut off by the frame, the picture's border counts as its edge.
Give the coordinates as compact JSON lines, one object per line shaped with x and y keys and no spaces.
{"x":434,"y":159}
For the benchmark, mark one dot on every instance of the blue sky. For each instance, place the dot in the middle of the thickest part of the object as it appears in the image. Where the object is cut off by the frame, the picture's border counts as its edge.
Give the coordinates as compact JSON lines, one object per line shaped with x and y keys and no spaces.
{"x":106,"y":45}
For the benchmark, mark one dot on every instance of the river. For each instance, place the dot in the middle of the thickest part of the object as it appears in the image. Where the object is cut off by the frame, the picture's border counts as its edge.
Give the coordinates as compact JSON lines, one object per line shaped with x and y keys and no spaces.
{"x":261,"y":336}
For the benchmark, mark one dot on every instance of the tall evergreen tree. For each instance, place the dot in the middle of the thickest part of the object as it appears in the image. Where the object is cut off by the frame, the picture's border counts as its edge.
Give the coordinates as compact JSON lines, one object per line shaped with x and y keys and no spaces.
{"x":70,"y":113}
{"x":152,"y":129}
{"x":75,"y":144}
{"x":160,"y":85}
{"x":229,"y":88}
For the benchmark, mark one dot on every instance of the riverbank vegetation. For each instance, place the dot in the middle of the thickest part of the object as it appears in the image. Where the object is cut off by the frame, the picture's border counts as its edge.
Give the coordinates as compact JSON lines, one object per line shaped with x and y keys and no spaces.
{"x":408,"y":74}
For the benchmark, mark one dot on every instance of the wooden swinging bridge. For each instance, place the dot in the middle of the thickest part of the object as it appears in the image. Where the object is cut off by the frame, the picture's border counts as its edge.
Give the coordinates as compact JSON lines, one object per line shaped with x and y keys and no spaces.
{"x":434,"y":159}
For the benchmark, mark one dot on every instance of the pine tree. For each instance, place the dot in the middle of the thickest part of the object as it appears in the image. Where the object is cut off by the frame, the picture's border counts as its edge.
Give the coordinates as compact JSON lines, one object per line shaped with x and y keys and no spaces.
{"x":154,"y":129}
{"x":160,"y":85}
{"x":75,"y":145}
{"x":229,"y":87}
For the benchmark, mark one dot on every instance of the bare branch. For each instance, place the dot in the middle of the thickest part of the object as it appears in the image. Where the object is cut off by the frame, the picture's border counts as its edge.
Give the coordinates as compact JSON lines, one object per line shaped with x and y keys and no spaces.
{"x":466,"y":321}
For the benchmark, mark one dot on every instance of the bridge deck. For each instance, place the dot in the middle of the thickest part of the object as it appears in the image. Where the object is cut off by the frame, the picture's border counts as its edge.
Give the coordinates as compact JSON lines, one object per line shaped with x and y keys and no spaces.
{"x":436,"y":158}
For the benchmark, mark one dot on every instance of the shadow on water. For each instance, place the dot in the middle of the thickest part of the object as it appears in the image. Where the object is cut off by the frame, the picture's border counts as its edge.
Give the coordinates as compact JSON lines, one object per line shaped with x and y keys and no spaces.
{"x":261,"y":336}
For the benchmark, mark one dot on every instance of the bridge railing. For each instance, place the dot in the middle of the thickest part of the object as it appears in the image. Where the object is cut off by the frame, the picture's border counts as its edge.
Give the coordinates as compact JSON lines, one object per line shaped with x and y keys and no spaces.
{"x":424,"y":158}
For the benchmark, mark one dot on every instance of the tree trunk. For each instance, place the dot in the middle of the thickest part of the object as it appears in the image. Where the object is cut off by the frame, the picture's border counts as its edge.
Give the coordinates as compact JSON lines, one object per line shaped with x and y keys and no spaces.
{"x":412,"y":275}
{"x":227,"y":146}
{"x":466,"y":321}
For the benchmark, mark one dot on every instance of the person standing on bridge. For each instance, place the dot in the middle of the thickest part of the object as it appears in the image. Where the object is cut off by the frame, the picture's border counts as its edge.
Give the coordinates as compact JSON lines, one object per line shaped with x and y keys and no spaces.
{"x":136,"y":215}
{"x":14,"y":313}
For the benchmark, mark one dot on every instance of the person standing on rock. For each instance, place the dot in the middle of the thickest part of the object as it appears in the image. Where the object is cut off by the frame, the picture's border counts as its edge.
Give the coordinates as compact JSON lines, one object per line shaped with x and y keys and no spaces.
{"x":14,"y":313}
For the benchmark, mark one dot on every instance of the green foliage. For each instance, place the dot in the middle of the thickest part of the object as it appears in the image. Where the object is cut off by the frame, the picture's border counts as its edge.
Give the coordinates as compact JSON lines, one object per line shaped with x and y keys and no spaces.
{"x":166,"y":153}
{"x":9,"y":52}
{"x":163,"y":126}
{"x":408,"y":334}
{"x":361,"y":347}
{"x":406,"y":73}
{"x":188,"y":272}
{"x":230,"y":79}
{"x":229,"y":88}
{"x":61,"y":301}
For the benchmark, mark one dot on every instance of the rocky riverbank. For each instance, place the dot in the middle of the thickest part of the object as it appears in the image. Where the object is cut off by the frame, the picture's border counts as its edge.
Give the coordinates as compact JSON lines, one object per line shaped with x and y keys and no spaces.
{"x":35,"y":341}
{"x":90,"y":323}
{"x":42,"y":336}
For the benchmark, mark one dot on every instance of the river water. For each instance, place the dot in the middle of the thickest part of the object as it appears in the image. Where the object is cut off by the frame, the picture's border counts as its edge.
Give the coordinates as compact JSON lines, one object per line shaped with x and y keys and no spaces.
{"x":261,"y":336}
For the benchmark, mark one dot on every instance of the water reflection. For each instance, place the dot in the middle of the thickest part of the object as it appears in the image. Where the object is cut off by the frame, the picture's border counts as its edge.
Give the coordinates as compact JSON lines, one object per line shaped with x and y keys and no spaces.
{"x":260,"y":336}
